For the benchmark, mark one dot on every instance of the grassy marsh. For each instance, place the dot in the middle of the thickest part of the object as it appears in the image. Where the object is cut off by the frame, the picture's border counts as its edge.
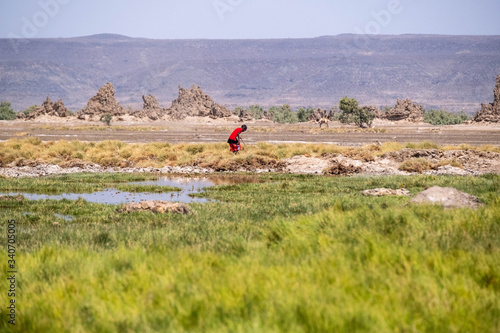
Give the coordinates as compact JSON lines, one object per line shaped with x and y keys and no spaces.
{"x":82,"y":183}
{"x":293,"y":253}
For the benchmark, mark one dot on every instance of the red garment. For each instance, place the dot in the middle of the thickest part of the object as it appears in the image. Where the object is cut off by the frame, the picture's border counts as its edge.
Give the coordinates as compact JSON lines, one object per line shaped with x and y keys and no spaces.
{"x":235,"y":134}
{"x":234,"y":147}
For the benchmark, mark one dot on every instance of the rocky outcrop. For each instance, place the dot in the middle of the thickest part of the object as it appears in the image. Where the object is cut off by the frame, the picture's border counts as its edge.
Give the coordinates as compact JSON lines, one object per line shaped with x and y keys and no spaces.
{"x":150,"y":110}
{"x":491,"y":112}
{"x":373,"y":109}
{"x":194,"y":102}
{"x":102,"y":103}
{"x":48,"y":108}
{"x":245,"y":116}
{"x":318,"y":114}
{"x":406,"y":110}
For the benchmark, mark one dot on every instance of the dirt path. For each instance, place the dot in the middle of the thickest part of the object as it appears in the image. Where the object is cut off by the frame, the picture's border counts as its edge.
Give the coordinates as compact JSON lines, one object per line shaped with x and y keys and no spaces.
{"x":205,"y":130}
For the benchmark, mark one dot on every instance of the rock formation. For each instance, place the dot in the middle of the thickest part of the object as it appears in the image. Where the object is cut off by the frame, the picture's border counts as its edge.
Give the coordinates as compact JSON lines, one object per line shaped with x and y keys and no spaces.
{"x":151,"y":109}
{"x":48,"y":108}
{"x":193,"y":102}
{"x":245,"y":116}
{"x":406,"y":110}
{"x":373,"y":109}
{"x":102,"y":103}
{"x":491,"y":112}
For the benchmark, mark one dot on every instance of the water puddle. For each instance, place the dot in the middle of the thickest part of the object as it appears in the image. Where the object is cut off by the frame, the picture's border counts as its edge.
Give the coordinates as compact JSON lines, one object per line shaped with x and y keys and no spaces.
{"x":68,"y":218}
{"x":188,"y":186}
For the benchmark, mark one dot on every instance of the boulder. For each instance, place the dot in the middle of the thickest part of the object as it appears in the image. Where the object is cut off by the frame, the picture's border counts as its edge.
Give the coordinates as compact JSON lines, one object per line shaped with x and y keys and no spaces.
{"x":405,"y":110}
{"x":194,"y":102}
{"x":156,"y":207}
{"x":448,"y":197}
{"x":490,"y":112}
{"x":48,"y":108}
{"x":102,"y":103}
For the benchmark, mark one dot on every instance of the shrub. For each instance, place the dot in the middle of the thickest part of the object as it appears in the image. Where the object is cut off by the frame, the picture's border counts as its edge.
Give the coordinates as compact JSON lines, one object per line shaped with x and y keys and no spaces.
{"x":30,"y":109}
{"x":440,"y":117}
{"x":283,"y":114}
{"x":256,"y":111}
{"x":416,"y":165}
{"x":352,"y":113}
{"x":304,"y":114}
{"x":106,"y":118}
{"x":6,"y":112}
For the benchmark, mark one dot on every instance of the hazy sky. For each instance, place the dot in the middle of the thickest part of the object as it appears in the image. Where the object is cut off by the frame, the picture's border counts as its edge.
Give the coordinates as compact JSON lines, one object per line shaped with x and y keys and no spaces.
{"x":168,"y":19}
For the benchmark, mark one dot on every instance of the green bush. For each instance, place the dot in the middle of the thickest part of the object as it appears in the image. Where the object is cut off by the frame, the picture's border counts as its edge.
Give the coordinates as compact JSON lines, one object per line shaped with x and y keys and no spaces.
{"x":106,"y":118}
{"x":441,"y":117}
{"x":6,"y":112}
{"x":283,"y":114}
{"x":256,"y":111}
{"x":30,"y":109}
{"x":304,"y":114}
{"x":352,"y":113}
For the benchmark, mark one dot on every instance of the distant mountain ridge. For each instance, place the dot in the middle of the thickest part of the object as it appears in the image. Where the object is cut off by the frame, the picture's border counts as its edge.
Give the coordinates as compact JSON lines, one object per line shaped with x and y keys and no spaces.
{"x":449,"y":72}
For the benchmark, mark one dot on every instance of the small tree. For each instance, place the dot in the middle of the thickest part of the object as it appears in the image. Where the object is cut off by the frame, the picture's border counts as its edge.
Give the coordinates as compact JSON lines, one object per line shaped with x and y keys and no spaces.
{"x":256,"y":111}
{"x":237,"y":111}
{"x":352,"y":113}
{"x":6,"y":112}
{"x":442,"y":117}
{"x":106,"y":118}
{"x":283,"y":114}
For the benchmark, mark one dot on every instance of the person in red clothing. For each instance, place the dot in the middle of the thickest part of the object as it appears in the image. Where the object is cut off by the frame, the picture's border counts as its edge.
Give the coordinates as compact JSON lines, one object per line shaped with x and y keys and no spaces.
{"x":234,"y":139}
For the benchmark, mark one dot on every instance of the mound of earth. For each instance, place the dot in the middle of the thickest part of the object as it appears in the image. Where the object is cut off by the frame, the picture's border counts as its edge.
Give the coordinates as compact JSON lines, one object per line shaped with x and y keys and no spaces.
{"x":342,"y":169}
{"x":18,"y":198}
{"x":380,"y":192}
{"x":48,"y":108}
{"x":156,"y":207}
{"x":448,"y":197}
{"x":104,"y":102}
{"x":150,"y":110}
{"x":194,"y":102}
{"x":405,"y":110}
{"x":491,"y":112}
{"x":479,"y":161}
{"x":306,"y":165}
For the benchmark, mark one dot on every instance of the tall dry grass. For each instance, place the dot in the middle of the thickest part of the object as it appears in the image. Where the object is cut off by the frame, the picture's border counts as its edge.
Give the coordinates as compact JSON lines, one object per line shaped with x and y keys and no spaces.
{"x":26,"y":151}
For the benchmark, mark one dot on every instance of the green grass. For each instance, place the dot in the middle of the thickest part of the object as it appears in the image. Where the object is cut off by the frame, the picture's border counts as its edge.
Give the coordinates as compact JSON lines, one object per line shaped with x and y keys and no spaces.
{"x":291,"y":254}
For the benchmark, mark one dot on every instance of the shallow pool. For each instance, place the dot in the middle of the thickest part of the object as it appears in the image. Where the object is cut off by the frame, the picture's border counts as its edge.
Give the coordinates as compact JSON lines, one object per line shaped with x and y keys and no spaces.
{"x":188,"y":186}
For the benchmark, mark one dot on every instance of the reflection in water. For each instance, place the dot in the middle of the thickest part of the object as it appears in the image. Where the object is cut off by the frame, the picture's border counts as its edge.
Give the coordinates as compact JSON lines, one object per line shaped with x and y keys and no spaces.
{"x":188,"y":186}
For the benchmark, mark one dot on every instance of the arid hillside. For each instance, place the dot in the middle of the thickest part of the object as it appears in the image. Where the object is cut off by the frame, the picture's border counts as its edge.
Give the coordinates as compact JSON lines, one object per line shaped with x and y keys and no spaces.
{"x":450,"y":72}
